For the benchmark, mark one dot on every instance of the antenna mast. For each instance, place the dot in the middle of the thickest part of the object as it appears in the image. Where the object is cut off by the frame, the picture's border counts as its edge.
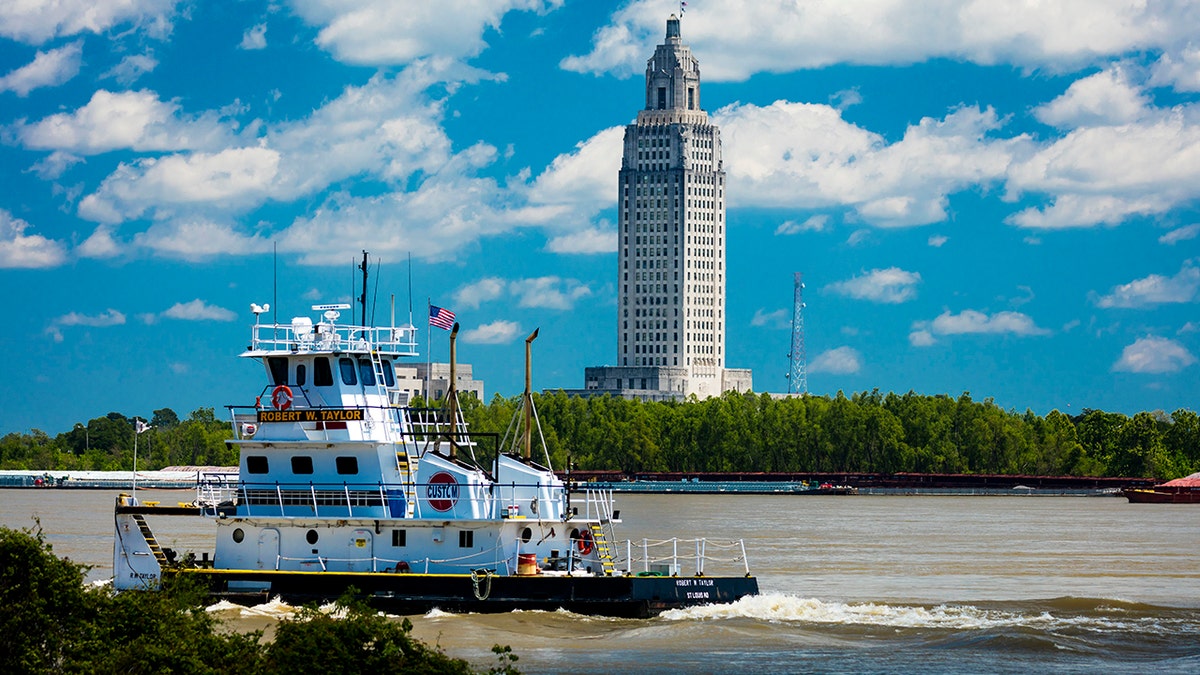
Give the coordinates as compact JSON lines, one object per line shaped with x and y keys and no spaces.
{"x":797,"y":373}
{"x":363,"y":298}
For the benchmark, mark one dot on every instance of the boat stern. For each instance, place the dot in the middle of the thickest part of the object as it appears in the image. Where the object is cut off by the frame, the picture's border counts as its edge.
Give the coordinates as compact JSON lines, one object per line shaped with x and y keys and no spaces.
{"x":137,"y":558}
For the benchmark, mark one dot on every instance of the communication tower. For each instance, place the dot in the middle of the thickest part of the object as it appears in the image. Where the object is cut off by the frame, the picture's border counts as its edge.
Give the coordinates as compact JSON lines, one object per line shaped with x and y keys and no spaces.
{"x":797,"y":373}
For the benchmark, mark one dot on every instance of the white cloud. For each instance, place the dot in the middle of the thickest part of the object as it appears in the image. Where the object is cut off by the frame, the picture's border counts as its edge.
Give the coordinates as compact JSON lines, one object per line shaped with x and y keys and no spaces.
{"x":1154,"y":355}
{"x":738,"y":38}
{"x":198,"y":310}
{"x":589,"y":241}
{"x":1106,"y":98}
{"x":475,"y":294}
{"x":111,"y":317}
{"x":132,"y":67}
{"x":196,"y":239}
{"x":497,"y":332}
{"x":937,"y":240}
{"x":99,"y":245}
{"x":892,"y":285}
{"x":1155,"y":290}
{"x":37,"y":22}
{"x":255,"y":37}
{"x":585,"y":178}
{"x":1179,"y":69}
{"x":802,"y":155}
{"x":543,"y":292}
{"x":384,"y":32}
{"x":1185,"y":233}
{"x":133,"y":120}
{"x":839,"y":361}
{"x":48,"y":69}
{"x":28,"y":251}
{"x":55,"y":164}
{"x":779,"y":318}
{"x":815,"y":223}
{"x":972,"y":322}
{"x":1189,"y":327}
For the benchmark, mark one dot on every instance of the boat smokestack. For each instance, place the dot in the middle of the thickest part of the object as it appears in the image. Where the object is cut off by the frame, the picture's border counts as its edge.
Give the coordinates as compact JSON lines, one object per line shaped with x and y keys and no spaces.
{"x":528,"y":400}
{"x":452,"y":394}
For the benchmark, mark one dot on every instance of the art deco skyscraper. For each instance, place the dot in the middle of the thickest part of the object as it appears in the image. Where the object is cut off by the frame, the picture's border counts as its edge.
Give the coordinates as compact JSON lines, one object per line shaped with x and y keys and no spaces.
{"x":671,"y":248}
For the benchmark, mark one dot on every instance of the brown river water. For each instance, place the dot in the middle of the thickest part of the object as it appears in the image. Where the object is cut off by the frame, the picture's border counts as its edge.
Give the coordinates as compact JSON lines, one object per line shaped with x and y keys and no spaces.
{"x":888,"y":584}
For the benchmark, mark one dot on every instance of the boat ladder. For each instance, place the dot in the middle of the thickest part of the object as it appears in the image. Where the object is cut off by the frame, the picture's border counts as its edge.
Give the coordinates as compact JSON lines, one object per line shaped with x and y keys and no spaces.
{"x":407,"y":466}
{"x":603,"y":549}
{"x":150,"y":540}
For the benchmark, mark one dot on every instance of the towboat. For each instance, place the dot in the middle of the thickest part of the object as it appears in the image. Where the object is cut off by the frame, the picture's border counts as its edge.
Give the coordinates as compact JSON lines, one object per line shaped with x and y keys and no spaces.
{"x":342,"y":485}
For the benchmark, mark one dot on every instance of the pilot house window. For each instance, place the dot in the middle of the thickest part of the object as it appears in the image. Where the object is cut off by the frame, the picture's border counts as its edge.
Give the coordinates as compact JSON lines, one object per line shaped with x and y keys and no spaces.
{"x":346,"y":366}
{"x":279,"y":368}
{"x":322,"y":374}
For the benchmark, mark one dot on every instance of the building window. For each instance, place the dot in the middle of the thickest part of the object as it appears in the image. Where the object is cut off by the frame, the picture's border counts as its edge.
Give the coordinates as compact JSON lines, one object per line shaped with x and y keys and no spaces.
{"x":691,"y":98}
{"x":662,"y":98}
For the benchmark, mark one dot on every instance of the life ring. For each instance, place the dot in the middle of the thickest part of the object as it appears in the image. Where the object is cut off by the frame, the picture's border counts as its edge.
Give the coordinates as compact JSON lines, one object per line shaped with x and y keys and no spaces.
{"x":586,"y":543}
{"x":281,"y":397}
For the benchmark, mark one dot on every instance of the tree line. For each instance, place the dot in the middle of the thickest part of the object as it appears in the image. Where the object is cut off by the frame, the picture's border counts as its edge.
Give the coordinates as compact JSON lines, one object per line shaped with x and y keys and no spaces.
{"x":867,"y":432}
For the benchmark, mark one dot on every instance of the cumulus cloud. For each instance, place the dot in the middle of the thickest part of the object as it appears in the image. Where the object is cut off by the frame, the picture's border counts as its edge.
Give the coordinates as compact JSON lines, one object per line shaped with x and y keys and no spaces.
{"x":198,"y":310}
{"x":839,"y":361}
{"x":741,"y":37}
{"x":1155,"y":289}
{"x":973,"y":322}
{"x":111,"y":317}
{"x":892,"y":285}
{"x":578,"y":184}
{"x":37,"y":22}
{"x":549,"y":292}
{"x":1154,"y":355}
{"x":29,"y":251}
{"x":131,"y":120}
{"x":1106,"y":98}
{"x":937,"y":240}
{"x":383,"y":32}
{"x":590,"y":241}
{"x":48,"y":69}
{"x":815,"y":223}
{"x":255,"y":37}
{"x":805,"y":155}
{"x":132,"y":67}
{"x":494,"y":333}
{"x":196,"y":239}
{"x":779,"y":318}
{"x":1185,"y":233}
{"x":99,"y":245}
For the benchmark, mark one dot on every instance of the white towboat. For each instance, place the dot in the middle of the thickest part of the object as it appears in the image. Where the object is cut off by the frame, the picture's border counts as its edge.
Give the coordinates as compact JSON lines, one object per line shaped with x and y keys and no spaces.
{"x":342,"y":485}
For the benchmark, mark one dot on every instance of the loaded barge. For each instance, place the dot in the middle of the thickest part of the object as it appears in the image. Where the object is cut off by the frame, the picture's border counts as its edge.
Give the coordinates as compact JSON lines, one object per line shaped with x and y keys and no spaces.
{"x":342,"y":485}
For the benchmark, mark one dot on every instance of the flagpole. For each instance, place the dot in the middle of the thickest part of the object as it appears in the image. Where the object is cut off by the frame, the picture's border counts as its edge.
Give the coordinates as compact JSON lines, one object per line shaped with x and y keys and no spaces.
{"x":428,"y":351}
{"x":135,"y":443}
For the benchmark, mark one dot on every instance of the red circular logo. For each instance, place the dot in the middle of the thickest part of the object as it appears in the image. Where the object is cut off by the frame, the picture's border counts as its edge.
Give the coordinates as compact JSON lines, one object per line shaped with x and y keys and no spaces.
{"x":442,"y":491}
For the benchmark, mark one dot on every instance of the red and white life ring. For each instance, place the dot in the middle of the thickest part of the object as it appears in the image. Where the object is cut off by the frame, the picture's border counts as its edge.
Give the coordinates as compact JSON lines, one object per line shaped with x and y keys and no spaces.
{"x":586,"y":543}
{"x":281,"y":397}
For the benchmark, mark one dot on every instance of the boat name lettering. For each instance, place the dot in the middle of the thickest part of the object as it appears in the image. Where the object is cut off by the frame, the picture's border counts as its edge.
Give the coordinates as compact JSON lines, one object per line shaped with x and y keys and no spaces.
{"x":321,"y":415}
{"x":694,"y":582}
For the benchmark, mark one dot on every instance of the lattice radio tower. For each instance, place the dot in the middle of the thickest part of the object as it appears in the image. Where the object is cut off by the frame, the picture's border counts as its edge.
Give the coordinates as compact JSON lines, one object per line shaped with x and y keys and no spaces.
{"x":797,"y":374}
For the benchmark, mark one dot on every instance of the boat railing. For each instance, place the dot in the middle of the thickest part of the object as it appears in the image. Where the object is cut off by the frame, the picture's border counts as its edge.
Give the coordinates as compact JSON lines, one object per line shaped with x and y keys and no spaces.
{"x":669,"y":556}
{"x":303,"y":336}
{"x":214,"y":488}
{"x":598,"y":504}
{"x":477,"y":560}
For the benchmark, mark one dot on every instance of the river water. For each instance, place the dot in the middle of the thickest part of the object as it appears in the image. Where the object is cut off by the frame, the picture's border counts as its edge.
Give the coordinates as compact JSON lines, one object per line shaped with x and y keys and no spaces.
{"x":886,"y":584}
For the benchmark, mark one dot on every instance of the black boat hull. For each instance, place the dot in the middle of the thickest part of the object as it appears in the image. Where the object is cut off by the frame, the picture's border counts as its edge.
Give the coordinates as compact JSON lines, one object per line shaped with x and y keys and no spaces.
{"x":619,"y":596}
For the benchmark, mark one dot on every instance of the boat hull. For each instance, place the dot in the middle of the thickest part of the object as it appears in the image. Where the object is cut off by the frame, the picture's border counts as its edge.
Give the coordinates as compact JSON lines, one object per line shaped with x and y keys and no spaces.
{"x":409,"y":593}
{"x":1163,"y":496}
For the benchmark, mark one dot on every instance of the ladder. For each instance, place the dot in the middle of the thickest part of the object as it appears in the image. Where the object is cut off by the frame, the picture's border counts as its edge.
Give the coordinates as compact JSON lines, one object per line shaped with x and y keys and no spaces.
{"x":603,"y":551}
{"x":150,"y":540}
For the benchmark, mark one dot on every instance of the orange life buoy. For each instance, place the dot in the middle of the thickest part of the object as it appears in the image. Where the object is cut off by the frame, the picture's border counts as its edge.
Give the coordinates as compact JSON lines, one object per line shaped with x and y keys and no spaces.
{"x":281,"y":397}
{"x":586,"y":542}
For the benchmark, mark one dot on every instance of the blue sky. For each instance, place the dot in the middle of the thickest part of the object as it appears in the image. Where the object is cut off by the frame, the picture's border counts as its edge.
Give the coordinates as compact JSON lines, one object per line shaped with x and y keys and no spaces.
{"x":982,"y":197}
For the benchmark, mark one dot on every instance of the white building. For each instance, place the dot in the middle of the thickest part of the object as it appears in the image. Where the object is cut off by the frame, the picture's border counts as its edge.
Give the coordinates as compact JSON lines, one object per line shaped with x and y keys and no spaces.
{"x":671,"y":248}
{"x":415,"y":377}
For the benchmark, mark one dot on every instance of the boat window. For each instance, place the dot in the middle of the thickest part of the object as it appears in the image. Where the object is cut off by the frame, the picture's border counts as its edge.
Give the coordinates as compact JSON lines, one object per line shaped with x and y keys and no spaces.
{"x":367,"y":373}
{"x":301,"y":375}
{"x":311,"y":536}
{"x":399,"y":538}
{"x":302,"y":464}
{"x":466,"y":538}
{"x":347,"y":465}
{"x":238,"y":535}
{"x":256,"y":464}
{"x":526,"y":535}
{"x":347,"y":367}
{"x":389,"y":375}
{"x":278,"y":366}
{"x":322,"y":375}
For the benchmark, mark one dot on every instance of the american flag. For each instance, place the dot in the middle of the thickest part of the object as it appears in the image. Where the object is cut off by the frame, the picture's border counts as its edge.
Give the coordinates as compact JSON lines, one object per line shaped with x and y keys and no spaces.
{"x":441,"y":317}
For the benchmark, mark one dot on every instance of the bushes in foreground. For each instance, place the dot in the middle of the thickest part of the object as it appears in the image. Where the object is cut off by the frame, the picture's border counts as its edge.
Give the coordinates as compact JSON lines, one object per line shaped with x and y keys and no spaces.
{"x":52,"y":622}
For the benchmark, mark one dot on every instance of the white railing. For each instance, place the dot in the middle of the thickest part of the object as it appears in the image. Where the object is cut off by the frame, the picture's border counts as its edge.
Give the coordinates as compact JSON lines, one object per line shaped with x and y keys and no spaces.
{"x":304,"y":336}
{"x":665,"y":558}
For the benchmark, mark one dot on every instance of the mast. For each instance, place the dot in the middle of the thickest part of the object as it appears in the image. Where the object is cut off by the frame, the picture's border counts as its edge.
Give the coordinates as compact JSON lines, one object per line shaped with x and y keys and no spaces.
{"x":527,"y":400}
